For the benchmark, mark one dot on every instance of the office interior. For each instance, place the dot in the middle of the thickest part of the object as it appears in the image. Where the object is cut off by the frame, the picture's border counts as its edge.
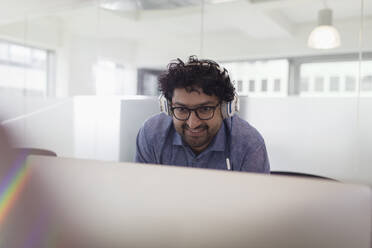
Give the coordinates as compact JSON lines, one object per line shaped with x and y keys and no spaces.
{"x":78,"y":77}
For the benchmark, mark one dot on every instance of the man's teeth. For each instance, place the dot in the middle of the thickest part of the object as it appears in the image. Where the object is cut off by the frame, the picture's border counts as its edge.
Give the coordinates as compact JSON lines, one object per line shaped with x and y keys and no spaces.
{"x":196,"y":130}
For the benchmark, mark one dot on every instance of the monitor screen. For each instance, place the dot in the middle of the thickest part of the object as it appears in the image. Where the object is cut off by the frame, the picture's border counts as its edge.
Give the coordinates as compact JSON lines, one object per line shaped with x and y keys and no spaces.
{"x":63,"y":202}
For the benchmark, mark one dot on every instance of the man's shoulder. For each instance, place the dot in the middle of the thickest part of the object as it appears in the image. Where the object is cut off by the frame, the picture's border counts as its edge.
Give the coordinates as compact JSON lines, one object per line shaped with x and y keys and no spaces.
{"x":157,"y":126}
{"x":245,"y":133}
{"x":248,"y":146}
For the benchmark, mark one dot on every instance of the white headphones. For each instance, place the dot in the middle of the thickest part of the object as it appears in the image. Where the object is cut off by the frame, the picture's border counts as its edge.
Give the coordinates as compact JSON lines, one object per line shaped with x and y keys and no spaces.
{"x":228,"y":109}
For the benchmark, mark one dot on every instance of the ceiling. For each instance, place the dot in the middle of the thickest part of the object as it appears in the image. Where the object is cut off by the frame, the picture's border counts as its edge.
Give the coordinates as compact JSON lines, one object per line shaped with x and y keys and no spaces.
{"x":256,"y":19}
{"x":295,"y":10}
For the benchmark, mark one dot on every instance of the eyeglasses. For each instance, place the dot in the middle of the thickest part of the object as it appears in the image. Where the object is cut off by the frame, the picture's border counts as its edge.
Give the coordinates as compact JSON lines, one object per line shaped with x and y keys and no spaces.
{"x":203,"y":112}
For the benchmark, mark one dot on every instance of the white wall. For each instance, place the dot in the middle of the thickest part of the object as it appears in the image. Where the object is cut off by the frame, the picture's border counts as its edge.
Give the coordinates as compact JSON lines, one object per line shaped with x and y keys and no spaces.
{"x":85,"y":53}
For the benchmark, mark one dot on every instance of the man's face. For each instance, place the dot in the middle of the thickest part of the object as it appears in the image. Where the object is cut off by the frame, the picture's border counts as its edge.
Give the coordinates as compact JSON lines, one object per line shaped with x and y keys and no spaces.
{"x":195,"y":132}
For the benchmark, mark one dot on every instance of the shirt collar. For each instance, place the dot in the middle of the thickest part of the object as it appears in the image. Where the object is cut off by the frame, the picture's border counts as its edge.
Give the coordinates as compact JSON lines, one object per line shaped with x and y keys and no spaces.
{"x":218,"y":143}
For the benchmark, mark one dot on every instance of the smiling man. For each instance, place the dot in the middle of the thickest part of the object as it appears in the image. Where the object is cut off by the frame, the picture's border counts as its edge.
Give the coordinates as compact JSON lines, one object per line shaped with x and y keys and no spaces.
{"x":198,"y":127}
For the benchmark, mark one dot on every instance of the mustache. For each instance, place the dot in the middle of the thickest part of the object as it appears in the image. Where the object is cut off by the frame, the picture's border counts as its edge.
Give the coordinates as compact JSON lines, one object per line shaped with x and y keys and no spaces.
{"x":201,"y":127}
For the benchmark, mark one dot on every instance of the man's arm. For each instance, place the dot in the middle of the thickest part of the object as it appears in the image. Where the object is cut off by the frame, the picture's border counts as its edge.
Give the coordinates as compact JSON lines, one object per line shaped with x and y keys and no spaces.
{"x":144,"y":153}
{"x":256,"y":160}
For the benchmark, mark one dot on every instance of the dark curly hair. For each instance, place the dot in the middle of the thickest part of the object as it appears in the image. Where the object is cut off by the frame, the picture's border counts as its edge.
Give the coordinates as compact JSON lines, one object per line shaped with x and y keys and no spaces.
{"x":205,"y":74}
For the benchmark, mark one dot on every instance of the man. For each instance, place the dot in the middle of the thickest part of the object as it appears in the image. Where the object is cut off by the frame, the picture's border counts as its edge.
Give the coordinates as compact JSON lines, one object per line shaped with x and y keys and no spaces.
{"x":199,"y":129}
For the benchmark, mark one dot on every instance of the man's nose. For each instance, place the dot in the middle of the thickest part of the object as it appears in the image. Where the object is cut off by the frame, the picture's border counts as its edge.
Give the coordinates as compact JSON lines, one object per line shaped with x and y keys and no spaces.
{"x":193,"y":120}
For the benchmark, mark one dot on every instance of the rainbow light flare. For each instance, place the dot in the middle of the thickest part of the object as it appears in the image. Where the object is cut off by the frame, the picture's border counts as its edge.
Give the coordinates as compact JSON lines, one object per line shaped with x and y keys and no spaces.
{"x":12,"y":185}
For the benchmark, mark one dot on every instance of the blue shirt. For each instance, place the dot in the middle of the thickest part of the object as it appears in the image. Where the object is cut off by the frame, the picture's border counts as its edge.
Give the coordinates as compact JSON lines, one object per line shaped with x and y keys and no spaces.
{"x":159,"y":143}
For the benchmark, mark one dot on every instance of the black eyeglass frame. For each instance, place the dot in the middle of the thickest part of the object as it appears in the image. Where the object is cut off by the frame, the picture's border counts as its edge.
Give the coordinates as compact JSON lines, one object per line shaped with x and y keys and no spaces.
{"x":195,"y":110}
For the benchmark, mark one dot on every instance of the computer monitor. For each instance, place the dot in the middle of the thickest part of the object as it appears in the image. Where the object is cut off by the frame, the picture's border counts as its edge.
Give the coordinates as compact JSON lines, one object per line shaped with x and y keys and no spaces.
{"x":81,"y":203}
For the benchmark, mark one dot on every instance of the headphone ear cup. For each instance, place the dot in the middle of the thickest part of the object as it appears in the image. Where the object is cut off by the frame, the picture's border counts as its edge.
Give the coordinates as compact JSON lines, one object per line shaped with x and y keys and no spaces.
{"x":164,"y":105}
{"x":224,"y":112}
{"x":228,"y":109}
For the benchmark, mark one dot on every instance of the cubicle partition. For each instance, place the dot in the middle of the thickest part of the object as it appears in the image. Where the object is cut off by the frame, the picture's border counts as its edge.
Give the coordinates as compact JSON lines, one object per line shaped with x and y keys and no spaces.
{"x":133,"y":114}
{"x":105,"y":128}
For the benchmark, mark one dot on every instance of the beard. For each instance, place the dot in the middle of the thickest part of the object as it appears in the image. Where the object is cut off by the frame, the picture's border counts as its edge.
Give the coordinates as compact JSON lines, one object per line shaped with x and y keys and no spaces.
{"x":199,"y":140}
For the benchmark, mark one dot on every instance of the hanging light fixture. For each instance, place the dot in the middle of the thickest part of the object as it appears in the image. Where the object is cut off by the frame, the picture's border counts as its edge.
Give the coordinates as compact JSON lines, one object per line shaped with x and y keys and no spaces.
{"x":324,"y":36}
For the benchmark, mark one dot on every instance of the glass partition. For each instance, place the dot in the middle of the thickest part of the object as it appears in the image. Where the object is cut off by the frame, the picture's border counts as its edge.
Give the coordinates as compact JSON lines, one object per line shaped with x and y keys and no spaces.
{"x":303,"y":100}
{"x":72,"y":69}
{"x":364,"y":141}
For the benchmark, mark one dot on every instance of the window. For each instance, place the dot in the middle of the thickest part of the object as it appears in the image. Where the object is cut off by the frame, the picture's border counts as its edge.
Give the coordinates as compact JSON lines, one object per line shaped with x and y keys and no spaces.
{"x":25,"y":70}
{"x":334,"y":83}
{"x":330,"y":75}
{"x":263,"y":78}
{"x":277,"y":84}
{"x":334,"y":75}
{"x":240,"y":86}
{"x":367,"y":83}
{"x":251,"y":85}
{"x":264,"y":85}
{"x":304,"y":84}
{"x":319,"y":84}
{"x":148,"y":82}
{"x":350,"y":83}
